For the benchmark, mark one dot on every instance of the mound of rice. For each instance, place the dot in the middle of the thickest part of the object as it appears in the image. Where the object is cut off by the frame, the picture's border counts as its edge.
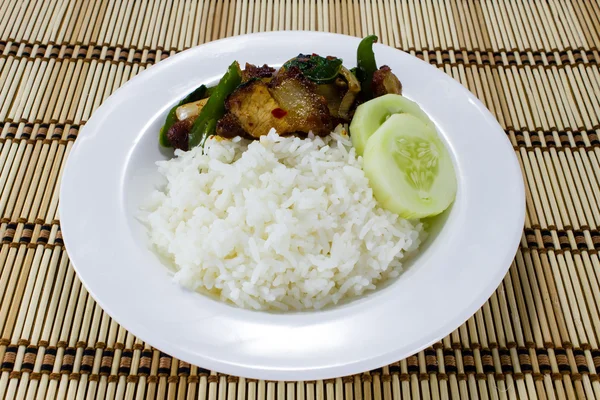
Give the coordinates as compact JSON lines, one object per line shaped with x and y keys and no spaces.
{"x":281,"y":223}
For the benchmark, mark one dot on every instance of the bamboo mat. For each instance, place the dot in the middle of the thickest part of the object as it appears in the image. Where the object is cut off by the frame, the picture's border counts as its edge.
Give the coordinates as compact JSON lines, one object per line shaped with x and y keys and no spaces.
{"x":535,"y":65}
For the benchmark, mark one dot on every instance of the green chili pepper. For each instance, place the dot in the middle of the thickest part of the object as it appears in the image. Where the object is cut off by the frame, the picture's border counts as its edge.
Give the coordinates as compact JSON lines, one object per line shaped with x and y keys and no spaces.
{"x":196,"y":95}
{"x":209,"y":91}
{"x":214,"y":109}
{"x":366,"y":65}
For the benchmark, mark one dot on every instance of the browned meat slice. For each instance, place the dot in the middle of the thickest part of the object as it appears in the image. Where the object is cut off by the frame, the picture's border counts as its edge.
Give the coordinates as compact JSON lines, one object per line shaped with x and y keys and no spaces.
{"x":289,"y":103}
{"x":306,"y":110}
{"x":256,"y":110}
{"x":252,"y":71}
{"x":229,"y":127}
{"x":385,"y":82}
{"x":178,"y":133}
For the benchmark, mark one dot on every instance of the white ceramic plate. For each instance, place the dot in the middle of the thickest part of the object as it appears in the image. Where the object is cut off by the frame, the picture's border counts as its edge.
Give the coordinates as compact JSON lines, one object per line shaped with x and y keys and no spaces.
{"x":111,"y":169}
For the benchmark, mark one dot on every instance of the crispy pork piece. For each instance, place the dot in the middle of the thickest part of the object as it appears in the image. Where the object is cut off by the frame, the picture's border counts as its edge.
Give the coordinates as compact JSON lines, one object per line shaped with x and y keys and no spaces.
{"x":306,"y":110}
{"x":253,"y":72}
{"x":229,"y":127}
{"x":385,"y":82}
{"x":178,"y":133}
{"x":289,"y":103}
{"x":255,"y":110}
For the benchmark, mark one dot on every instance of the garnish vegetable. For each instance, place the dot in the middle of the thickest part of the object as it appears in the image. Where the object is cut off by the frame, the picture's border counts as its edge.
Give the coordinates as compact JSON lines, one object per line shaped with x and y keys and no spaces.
{"x":371,"y":115}
{"x":205,"y":124}
{"x":366,"y":65}
{"x":196,"y":95}
{"x":409,"y":169}
{"x":316,"y":68}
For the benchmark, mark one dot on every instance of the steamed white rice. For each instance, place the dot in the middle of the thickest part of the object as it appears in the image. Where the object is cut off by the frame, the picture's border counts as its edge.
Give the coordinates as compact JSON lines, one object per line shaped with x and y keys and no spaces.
{"x":281,"y":223}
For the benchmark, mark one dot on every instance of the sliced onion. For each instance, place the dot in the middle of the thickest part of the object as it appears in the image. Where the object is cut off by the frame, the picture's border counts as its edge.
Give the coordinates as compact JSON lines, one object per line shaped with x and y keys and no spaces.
{"x":190,"y":109}
{"x":351,"y":94}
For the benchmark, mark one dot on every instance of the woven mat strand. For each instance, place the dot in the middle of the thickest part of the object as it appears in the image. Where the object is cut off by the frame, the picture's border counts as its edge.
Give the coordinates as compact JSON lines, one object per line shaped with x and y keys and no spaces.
{"x":535,"y":65}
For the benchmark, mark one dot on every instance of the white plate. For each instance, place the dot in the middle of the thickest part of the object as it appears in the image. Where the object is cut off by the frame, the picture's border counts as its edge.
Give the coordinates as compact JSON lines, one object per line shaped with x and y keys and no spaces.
{"x":111,"y":168}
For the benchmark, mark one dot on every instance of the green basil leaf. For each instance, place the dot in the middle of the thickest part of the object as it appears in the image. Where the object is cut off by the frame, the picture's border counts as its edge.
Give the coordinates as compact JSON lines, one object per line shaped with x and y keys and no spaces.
{"x":316,"y":68}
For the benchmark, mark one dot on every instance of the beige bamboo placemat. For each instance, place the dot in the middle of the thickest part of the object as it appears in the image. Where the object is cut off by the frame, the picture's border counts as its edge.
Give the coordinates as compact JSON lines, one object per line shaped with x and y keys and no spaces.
{"x":535,"y":64}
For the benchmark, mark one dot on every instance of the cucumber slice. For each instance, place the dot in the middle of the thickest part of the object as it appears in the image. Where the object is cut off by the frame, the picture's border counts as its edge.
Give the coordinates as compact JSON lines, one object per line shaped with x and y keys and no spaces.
{"x":409,"y":169}
{"x":371,"y":115}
